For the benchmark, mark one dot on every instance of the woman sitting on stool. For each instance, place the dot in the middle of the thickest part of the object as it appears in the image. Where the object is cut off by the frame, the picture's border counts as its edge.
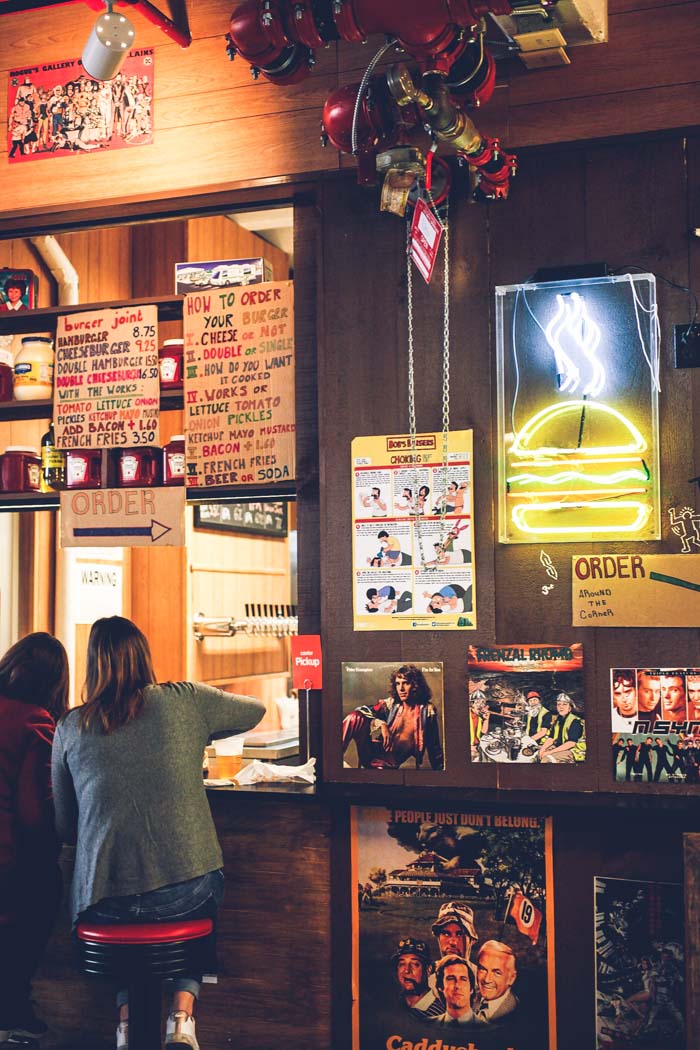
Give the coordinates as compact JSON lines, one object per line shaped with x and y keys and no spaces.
{"x":33,"y":693}
{"x":127,"y":777}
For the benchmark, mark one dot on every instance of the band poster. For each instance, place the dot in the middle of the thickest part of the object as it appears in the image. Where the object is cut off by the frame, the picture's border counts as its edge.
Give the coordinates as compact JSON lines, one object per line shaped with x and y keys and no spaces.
{"x":640,"y":965}
{"x":452,"y":931}
{"x":526,"y":703}
{"x":412,"y":539}
{"x":393,"y":716}
{"x":57,"y":110}
{"x":655,"y":724}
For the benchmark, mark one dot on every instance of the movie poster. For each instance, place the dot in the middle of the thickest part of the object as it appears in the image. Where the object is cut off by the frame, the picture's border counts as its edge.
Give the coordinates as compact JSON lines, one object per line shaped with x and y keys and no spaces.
{"x":640,"y":965}
{"x":526,"y":704}
{"x":412,"y":537}
{"x":393,"y":716}
{"x":56,"y":109}
{"x":453,"y":943}
{"x":655,"y":721}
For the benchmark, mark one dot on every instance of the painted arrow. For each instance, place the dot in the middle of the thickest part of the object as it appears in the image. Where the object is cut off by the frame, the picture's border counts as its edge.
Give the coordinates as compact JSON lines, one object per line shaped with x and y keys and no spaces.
{"x":675,"y":581}
{"x":156,"y":530}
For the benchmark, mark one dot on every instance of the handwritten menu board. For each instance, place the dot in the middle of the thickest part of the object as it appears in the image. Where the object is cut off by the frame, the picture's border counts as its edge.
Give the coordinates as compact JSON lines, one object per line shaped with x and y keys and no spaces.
{"x":106,"y":386}
{"x":239,"y":385}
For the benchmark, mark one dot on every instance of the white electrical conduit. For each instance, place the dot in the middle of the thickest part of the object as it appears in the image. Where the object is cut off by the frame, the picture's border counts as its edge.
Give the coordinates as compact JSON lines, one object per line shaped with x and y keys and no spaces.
{"x":61,"y":267}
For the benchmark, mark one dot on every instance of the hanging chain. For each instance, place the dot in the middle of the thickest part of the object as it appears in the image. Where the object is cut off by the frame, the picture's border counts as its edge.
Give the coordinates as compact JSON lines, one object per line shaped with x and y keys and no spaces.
{"x":416,"y":512}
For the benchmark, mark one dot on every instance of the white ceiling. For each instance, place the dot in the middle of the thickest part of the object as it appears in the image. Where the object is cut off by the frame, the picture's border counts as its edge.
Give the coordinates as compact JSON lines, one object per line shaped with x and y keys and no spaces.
{"x":275,"y":225}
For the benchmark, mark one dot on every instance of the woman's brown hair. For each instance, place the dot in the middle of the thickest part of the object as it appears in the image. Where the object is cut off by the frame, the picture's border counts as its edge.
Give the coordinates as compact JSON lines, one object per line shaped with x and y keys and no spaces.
{"x":119,"y":667}
{"x":35,"y":671}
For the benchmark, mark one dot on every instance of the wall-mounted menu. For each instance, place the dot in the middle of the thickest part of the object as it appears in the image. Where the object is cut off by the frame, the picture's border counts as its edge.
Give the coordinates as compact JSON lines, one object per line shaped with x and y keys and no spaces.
{"x":106,"y":388}
{"x":239,"y":385}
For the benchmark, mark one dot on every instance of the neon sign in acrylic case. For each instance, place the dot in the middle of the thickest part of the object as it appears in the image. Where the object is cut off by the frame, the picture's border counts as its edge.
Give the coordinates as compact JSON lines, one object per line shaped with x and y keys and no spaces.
{"x":578,"y":383}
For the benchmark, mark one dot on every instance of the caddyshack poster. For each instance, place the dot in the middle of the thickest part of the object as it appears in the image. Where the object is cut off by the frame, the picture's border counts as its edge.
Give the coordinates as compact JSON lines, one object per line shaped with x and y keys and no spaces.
{"x":452,"y":917}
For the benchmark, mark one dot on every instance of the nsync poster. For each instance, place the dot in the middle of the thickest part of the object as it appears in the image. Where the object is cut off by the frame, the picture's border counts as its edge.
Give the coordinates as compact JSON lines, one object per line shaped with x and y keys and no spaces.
{"x":640,"y":965}
{"x":452,"y":931}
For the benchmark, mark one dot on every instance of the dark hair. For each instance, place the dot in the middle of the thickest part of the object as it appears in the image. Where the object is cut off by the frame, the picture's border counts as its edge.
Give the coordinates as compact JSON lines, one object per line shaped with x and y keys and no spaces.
{"x":415,"y":678}
{"x":119,"y":667}
{"x":15,"y":282}
{"x":35,"y":671}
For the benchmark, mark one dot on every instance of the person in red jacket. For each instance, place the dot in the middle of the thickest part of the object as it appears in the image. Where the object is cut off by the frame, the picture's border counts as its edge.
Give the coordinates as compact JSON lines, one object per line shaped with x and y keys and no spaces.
{"x":33,"y":694}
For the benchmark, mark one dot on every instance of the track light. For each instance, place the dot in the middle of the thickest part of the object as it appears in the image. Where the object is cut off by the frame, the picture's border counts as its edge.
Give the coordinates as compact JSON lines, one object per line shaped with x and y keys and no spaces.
{"x":108,"y":45}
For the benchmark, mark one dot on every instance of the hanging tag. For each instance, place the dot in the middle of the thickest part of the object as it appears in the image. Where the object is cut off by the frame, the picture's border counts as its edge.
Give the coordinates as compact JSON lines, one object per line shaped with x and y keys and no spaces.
{"x":307,"y":666}
{"x":426,"y":231}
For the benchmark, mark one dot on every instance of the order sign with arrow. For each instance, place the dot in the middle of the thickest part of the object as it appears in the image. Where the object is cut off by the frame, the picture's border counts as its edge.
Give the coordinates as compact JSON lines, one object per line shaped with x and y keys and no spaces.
{"x":152,"y":517}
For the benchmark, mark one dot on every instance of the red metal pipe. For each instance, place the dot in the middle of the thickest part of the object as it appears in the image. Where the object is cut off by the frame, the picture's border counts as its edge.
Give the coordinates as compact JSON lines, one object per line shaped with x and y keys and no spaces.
{"x":183,"y":37}
{"x":433,"y":33}
{"x":148,"y":10}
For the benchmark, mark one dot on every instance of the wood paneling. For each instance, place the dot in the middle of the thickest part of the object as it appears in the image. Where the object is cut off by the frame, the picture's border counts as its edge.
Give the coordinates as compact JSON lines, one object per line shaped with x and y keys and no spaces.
{"x":216,"y":128}
{"x":629,"y":204}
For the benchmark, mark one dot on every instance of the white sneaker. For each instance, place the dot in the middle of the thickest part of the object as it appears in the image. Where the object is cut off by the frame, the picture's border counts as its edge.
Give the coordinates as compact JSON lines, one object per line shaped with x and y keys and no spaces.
{"x":179,"y":1031}
{"x":123,"y":1035}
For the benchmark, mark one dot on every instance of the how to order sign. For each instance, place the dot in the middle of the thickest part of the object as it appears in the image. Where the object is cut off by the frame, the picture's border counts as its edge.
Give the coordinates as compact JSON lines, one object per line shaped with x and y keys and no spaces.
{"x":106,"y":387}
{"x":239,"y":385}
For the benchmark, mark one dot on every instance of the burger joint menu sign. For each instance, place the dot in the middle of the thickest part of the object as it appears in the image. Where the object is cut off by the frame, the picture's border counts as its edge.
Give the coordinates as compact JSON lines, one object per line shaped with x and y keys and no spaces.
{"x":239,"y":385}
{"x":106,"y":389}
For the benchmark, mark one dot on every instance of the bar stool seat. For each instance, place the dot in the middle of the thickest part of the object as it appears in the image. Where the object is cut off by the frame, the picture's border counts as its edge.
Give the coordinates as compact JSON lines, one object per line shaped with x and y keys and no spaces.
{"x":142,"y":955}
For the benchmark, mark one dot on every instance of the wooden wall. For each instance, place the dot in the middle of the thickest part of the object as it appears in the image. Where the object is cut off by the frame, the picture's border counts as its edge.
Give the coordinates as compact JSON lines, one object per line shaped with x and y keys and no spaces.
{"x":215,"y":128}
{"x":628,"y":204}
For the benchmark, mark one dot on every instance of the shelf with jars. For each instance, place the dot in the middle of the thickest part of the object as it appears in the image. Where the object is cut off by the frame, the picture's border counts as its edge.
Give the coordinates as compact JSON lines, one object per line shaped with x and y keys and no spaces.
{"x":31,"y":477}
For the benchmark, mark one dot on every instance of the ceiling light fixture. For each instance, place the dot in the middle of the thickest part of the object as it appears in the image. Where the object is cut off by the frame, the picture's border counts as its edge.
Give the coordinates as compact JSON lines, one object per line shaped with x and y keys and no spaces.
{"x":108,"y":45}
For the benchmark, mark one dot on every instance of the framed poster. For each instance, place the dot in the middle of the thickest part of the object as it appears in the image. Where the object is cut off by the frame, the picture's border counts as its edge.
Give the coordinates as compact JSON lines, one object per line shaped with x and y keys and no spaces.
{"x":453,"y":933}
{"x":260,"y":519}
{"x":655,"y":721}
{"x":412,"y":536}
{"x":526,"y":704}
{"x":640,"y":965}
{"x":393,"y":715}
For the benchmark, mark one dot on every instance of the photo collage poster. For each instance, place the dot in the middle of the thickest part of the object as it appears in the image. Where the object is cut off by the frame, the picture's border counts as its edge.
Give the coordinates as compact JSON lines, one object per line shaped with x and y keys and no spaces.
{"x":655,"y":721}
{"x":526,"y":704}
{"x":640,"y":965}
{"x":393,"y":716}
{"x":412,"y":533}
{"x":453,"y":932}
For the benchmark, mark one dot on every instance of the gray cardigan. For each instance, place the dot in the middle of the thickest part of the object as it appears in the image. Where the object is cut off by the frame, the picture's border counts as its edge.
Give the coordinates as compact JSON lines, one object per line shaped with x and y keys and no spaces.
{"x":133,"y":800}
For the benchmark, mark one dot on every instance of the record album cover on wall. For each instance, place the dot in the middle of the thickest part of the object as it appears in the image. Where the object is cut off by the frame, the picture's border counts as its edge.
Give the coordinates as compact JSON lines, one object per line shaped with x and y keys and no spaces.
{"x":393,"y":716}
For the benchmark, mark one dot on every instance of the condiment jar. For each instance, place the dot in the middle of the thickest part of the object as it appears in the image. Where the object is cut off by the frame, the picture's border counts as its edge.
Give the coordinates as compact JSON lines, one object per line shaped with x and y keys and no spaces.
{"x":170,"y":356}
{"x":7,"y":368}
{"x":34,"y":369}
{"x":137,"y":467}
{"x":84,"y":468}
{"x":174,"y":461}
{"x":20,"y":469}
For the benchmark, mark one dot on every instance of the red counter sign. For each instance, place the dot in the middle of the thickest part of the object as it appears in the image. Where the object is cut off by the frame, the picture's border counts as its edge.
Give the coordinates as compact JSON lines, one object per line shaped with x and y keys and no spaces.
{"x":307,"y":664}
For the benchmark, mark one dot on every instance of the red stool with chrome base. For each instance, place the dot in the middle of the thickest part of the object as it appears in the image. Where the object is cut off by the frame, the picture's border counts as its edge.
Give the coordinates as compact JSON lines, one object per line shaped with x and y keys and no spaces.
{"x":142,"y":955}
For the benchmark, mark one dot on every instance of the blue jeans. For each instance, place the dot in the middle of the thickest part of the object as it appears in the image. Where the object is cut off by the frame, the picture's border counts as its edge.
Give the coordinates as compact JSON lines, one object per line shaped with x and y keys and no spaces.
{"x":195,"y":899}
